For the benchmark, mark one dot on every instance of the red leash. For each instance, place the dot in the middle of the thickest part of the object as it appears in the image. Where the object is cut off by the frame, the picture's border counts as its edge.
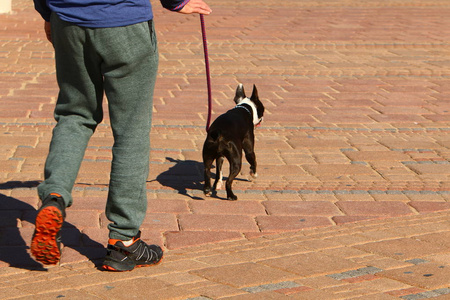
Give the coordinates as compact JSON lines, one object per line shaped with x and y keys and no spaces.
{"x":208,"y":79}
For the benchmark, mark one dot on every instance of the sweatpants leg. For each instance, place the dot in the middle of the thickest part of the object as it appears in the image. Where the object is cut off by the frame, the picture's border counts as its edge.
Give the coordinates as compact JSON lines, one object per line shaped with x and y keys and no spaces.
{"x":78,"y":109}
{"x":130,"y":61}
{"x":122,"y":61}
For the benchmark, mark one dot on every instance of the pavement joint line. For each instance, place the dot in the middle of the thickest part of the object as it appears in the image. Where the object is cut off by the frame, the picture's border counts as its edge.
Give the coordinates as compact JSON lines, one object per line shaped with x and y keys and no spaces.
{"x":426,"y":162}
{"x":259,"y":75}
{"x":263,"y":128}
{"x":337,"y":44}
{"x":256,"y":43}
{"x":269,"y":192}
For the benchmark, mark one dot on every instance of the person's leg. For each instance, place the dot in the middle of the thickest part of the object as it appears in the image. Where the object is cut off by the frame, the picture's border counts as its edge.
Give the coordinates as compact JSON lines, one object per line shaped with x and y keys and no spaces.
{"x":78,"y":109}
{"x":130,"y":61}
{"x":77,"y":112}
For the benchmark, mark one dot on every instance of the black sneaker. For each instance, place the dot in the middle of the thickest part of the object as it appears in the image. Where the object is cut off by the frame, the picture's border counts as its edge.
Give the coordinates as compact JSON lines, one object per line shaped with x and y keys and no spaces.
{"x":138,"y":254}
{"x":46,"y":241}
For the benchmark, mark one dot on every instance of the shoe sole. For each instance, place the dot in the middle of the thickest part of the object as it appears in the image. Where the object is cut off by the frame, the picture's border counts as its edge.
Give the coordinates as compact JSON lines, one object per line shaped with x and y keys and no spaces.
{"x":44,"y":246}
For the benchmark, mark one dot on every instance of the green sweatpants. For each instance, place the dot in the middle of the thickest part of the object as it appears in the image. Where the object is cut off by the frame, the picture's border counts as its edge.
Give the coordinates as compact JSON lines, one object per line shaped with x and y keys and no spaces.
{"x":121,"y":62}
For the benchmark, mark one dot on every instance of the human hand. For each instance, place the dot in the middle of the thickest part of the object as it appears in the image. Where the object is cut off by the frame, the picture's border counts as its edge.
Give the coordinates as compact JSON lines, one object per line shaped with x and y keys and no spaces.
{"x":196,"y":6}
{"x":48,"y":31}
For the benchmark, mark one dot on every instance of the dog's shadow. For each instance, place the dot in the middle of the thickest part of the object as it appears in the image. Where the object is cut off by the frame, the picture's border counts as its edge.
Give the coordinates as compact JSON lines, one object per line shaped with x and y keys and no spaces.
{"x":14,"y":249}
{"x":186,"y":176}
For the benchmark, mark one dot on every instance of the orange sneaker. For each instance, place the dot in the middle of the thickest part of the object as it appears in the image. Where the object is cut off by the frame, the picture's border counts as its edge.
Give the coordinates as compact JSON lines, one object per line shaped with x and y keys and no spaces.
{"x":46,"y":241}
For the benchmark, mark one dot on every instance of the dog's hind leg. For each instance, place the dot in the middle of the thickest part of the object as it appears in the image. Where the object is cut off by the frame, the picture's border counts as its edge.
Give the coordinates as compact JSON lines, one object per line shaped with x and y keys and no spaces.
{"x":207,"y":162}
{"x":234,"y":157}
{"x":218,"y":183}
{"x":235,"y":168}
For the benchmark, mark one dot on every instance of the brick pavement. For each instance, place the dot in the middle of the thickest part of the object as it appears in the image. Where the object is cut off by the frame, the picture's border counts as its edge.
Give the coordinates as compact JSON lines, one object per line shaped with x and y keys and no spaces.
{"x":356,"y":129}
{"x":393,"y":258}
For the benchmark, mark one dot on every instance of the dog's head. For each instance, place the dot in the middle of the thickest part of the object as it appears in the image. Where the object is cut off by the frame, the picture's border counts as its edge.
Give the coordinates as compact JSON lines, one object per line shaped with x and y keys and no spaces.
{"x":253,"y":102}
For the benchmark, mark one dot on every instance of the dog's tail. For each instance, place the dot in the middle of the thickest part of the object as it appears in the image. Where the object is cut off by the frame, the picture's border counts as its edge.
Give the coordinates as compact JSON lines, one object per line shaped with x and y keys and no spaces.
{"x":215,"y":135}
{"x":214,"y":140}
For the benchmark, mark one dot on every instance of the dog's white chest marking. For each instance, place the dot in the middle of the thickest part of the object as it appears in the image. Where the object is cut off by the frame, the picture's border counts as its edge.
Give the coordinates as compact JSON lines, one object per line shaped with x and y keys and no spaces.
{"x":247,"y":101}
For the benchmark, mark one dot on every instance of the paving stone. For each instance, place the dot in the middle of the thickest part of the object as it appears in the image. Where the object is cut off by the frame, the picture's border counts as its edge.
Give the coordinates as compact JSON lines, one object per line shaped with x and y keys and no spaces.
{"x":443,"y":291}
{"x":181,"y":239}
{"x":377,"y":296}
{"x":380,"y":284}
{"x":416,"y":261}
{"x":139,"y":287}
{"x":286,"y":208}
{"x":440,"y":238}
{"x":404,"y":248}
{"x":161,"y":222}
{"x":404,"y":292}
{"x":352,"y":219}
{"x":440,"y":258}
{"x":355,"y":273}
{"x":430,"y":168}
{"x":228,"y":207}
{"x":221,"y":290}
{"x":72,"y":255}
{"x":210,"y":222}
{"x":388,"y":208}
{"x":377,"y":156}
{"x":72,"y":294}
{"x":429,"y":206}
{"x":180,"y":278}
{"x":427,"y":275}
{"x":252,"y":255}
{"x":311,"y":264}
{"x":265,"y":295}
{"x":271,"y":287}
{"x":424,"y":295}
{"x":251,"y":274}
{"x":290,"y":223}
{"x":338,"y":169}
{"x":83,"y":218}
{"x":309,"y":143}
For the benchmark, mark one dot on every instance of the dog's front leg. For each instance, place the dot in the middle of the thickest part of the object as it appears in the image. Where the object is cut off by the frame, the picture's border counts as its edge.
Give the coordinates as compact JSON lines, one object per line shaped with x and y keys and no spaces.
{"x":251,"y":158}
{"x":248,"y":147}
{"x":219,"y":174}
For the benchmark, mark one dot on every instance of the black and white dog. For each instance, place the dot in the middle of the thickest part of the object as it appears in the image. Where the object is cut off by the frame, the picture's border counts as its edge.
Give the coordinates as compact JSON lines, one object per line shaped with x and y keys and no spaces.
{"x":228,"y":135}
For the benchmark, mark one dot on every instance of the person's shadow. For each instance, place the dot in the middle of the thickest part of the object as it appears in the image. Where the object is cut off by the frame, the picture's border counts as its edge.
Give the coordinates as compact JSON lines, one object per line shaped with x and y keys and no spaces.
{"x":13,"y":248}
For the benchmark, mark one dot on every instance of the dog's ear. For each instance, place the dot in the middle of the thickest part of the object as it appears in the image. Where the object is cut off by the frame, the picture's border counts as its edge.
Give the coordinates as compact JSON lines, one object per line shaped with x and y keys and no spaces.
{"x":240,"y":94}
{"x":254,"y":96}
{"x":255,"y":99}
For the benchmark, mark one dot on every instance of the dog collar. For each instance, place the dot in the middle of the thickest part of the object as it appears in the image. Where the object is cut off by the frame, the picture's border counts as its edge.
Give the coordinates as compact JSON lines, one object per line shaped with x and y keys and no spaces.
{"x":244,"y":107}
{"x":254,"y":112}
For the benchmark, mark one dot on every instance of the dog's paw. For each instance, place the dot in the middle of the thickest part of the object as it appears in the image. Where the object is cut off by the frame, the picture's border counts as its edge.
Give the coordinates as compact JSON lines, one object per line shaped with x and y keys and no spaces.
{"x":253,"y":174}
{"x":232,"y":198}
{"x":207,"y":192}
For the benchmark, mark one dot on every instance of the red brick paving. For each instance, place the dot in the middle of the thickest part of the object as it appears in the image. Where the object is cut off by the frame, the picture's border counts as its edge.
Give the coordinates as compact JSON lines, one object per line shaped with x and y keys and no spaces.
{"x":356,"y":128}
